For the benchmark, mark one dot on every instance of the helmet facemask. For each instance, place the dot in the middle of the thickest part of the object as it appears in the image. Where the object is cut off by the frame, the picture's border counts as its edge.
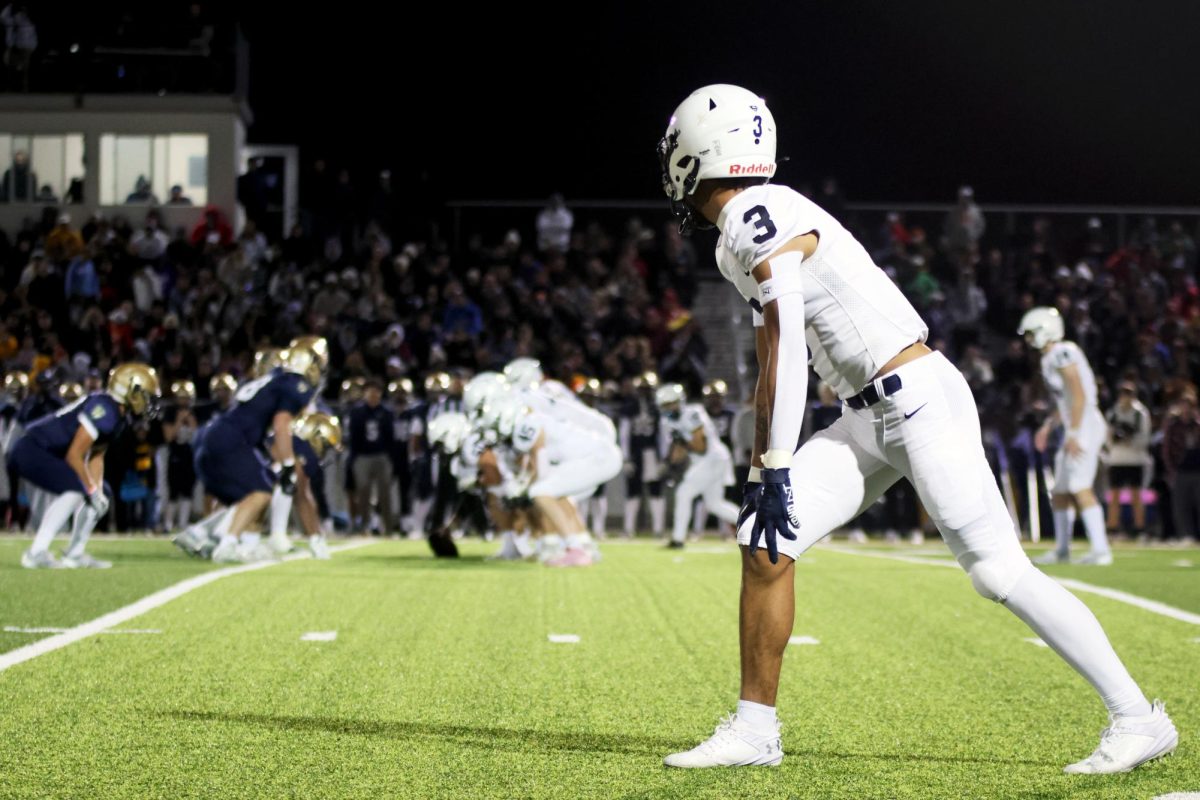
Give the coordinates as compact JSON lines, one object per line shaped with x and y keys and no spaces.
{"x":689,"y":218}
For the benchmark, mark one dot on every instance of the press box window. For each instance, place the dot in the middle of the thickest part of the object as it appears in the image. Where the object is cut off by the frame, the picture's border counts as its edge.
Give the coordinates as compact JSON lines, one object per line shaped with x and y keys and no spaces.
{"x":145,"y":169}
{"x":41,"y":168}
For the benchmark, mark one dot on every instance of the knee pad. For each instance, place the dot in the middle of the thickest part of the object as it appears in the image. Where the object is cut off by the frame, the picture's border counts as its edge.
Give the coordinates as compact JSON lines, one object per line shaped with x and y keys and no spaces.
{"x":994,"y":575}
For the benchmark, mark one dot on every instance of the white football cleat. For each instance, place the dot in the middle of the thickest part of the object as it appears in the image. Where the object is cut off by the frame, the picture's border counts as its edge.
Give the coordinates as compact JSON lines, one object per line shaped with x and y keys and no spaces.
{"x":84,"y":561}
{"x":1129,"y":741}
{"x":1052,"y":557}
{"x":735,"y":744}
{"x":1095,"y":559}
{"x":319,"y":547}
{"x":228,"y":552}
{"x":857,"y":536}
{"x":280,"y":543}
{"x":42,"y":560}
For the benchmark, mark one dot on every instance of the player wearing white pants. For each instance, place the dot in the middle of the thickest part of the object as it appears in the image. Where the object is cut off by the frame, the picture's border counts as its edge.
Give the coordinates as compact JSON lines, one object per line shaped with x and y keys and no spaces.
{"x":1069,"y":379}
{"x":711,"y":466}
{"x":908,"y":413}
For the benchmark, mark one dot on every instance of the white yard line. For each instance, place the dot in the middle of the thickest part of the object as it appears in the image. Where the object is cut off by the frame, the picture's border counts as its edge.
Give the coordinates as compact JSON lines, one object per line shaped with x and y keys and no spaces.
{"x":16,"y":629}
{"x":319,"y":636}
{"x":1144,"y":603}
{"x":136,"y":609}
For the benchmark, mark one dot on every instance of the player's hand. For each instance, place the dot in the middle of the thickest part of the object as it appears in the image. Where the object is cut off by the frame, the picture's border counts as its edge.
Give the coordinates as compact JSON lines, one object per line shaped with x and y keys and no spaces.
{"x":1072,"y":447}
{"x":1041,"y":439}
{"x":98,"y":501}
{"x":751,"y":491}
{"x":287,"y":478}
{"x":776,"y":515}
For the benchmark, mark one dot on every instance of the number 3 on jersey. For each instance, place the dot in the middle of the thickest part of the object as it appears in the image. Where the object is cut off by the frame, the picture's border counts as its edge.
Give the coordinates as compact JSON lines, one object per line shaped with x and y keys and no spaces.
{"x":762,"y":221}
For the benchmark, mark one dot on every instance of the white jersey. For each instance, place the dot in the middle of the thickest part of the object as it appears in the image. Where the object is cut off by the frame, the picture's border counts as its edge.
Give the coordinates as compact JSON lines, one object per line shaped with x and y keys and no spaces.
{"x":1060,"y":356}
{"x":556,"y":401}
{"x":693,"y":417}
{"x":855,"y":318}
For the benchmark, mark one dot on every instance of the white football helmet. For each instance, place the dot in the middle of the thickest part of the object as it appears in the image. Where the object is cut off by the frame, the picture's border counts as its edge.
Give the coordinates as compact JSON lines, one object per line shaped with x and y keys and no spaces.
{"x":448,"y":431}
{"x":501,"y":413}
{"x":669,"y":394}
{"x":1041,"y":326}
{"x":719,"y":131}
{"x":523,"y":373}
{"x":480,"y":389}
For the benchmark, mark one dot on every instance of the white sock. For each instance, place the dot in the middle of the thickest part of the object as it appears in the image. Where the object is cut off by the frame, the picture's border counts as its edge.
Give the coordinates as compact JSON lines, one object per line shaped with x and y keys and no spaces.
{"x":699,"y":517}
{"x":759,"y":717}
{"x":85,"y":523}
{"x":599,"y":515}
{"x":1064,"y":526}
{"x":316,"y":538}
{"x":521,"y":540}
{"x":251,"y":539}
{"x":1093,"y":525}
{"x":184,"y":507}
{"x":658,"y":514}
{"x":1072,"y":630}
{"x":631,"y":509}
{"x":54,"y":518}
{"x":281,"y":512}
{"x":679,"y":525}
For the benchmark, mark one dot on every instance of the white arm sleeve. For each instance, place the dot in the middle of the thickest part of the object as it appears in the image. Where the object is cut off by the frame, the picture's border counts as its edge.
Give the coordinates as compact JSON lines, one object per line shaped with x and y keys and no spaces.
{"x":784,"y":288}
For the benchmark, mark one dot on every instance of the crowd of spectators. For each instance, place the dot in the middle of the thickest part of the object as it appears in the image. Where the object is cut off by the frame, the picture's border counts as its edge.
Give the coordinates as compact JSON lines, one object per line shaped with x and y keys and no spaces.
{"x":371,"y":272}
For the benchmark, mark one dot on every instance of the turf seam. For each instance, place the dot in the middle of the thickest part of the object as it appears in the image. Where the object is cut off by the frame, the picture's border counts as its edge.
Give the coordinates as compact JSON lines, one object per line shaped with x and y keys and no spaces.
{"x":139,"y":607}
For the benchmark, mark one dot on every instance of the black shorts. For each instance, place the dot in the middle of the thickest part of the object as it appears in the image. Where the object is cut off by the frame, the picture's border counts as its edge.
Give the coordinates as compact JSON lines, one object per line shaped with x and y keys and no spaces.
{"x":1126,"y":477}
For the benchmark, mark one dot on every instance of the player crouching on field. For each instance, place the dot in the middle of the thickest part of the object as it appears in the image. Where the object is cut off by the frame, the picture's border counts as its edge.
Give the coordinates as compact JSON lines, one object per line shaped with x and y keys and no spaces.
{"x":229,"y":461}
{"x":63,"y":454}
{"x":709,"y":465}
{"x":314,"y":435}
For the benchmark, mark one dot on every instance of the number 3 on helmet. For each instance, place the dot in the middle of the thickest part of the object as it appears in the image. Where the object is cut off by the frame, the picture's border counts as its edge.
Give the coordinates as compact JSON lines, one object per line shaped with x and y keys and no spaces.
{"x":719,"y":131}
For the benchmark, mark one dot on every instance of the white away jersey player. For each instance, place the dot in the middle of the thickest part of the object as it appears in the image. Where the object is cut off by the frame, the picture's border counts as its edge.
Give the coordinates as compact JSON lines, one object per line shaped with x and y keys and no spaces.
{"x":571,"y":462}
{"x":691,"y":418}
{"x":1075,"y":473}
{"x":855,"y":318}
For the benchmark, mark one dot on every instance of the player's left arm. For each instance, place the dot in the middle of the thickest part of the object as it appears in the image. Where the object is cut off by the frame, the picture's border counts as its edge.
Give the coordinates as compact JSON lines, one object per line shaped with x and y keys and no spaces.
{"x":1073,"y":385}
{"x":785,"y":372}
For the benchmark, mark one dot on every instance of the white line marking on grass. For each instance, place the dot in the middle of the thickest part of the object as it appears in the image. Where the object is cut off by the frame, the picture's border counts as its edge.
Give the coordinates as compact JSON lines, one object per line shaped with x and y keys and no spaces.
{"x":319,"y":636}
{"x":1178,"y":796}
{"x":136,"y":609}
{"x":1153,"y":606}
{"x":15,"y":629}
{"x":1183,"y":562}
{"x":802,"y":640}
{"x":564,"y":638}
{"x":1035,"y":641}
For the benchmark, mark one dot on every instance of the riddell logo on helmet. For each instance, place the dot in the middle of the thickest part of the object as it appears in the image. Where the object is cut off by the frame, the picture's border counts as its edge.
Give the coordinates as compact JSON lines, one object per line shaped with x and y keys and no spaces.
{"x":749,"y":169}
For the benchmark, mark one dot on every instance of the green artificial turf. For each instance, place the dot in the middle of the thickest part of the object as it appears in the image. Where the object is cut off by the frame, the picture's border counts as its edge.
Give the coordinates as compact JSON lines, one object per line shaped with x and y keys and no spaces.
{"x":442,"y":683}
{"x":64,"y":598}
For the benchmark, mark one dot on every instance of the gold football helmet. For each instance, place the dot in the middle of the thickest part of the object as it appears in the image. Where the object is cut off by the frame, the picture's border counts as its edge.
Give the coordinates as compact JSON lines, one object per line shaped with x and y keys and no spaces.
{"x":317,"y":345}
{"x":222,"y":380}
{"x":135,"y":386}
{"x":322,"y":431}
{"x":302,"y":359}
{"x":16,"y":384}
{"x":70,"y":392}
{"x":266,"y":360}
{"x":180,"y":389}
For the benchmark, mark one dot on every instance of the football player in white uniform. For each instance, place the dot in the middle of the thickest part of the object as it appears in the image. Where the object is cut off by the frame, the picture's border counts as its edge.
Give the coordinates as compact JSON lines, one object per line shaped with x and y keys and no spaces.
{"x":1069,"y":378}
{"x":710,"y":467}
{"x":908,"y":413}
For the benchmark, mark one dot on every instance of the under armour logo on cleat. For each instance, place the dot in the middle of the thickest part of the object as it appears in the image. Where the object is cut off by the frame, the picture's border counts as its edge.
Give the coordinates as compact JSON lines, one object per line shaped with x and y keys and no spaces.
{"x":910,"y":414}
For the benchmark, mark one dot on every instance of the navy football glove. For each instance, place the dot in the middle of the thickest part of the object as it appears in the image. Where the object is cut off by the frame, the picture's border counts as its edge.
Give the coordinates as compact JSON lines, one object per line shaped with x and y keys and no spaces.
{"x":776,"y":513}
{"x":287,"y":478}
{"x":751,"y":491}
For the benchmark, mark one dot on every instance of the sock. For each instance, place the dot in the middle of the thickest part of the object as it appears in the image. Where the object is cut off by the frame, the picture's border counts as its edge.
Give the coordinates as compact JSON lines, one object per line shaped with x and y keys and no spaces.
{"x":1064,"y":526}
{"x":251,"y":539}
{"x":699,"y":517}
{"x":599,"y":516}
{"x":679,"y":525}
{"x":184,"y":509}
{"x":281,"y":512}
{"x":523,"y":545}
{"x":85,"y":523}
{"x":54,"y":518}
{"x":1072,"y":630}
{"x":759,"y":717}
{"x":1093,"y":525}
{"x":658,"y":514}
{"x":631,"y":509}
{"x":316,"y":538}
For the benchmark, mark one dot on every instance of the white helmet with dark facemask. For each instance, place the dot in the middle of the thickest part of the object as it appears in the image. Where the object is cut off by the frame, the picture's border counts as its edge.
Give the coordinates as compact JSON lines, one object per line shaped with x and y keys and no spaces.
{"x":720,"y":131}
{"x":1041,"y":326}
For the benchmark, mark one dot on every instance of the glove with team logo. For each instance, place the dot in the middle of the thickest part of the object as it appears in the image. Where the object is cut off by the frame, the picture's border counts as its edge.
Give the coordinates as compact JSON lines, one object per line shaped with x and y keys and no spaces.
{"x":287,"y":478}
{"x":776,"y":515}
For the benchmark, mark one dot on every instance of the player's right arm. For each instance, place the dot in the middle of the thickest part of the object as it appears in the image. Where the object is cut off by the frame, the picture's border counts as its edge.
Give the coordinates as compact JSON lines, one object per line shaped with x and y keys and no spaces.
{"x":1073,"y":385}
{"x":76,"y":459}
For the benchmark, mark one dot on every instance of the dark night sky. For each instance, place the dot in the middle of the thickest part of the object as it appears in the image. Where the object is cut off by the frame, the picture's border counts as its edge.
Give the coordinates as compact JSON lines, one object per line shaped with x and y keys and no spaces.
{"x":1074,"y":102}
